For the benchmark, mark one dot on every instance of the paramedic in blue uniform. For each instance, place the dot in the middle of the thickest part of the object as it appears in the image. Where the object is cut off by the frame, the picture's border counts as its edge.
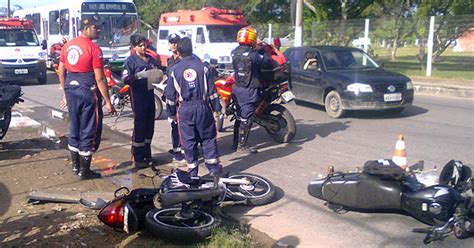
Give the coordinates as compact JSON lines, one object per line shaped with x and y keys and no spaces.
{"x":191,"y":85}
{"x":81,"y":76}
{"x":140,"y":72}
{"x":172,"y":60}
{"x":247,"y":63}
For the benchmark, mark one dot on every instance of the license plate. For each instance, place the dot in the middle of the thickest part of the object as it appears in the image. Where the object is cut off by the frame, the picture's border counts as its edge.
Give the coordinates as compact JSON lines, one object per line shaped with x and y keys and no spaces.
{"x":287,"y":96}
{"x":21,"y":71}
{"x":392,"y":97}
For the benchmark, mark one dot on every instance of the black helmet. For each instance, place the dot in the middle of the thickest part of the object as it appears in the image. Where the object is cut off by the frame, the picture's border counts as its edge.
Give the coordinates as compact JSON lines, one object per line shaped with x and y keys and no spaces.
{"x":456,"y":175}
{"x":173,"y":38}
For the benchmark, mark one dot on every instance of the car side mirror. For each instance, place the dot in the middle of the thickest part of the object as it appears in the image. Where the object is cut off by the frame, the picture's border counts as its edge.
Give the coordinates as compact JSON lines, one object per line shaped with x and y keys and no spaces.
{"x":44,"y":45}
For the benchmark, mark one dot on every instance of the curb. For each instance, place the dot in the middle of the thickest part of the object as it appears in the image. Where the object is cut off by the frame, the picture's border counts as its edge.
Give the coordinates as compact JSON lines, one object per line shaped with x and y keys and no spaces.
{"x":443,"y":90}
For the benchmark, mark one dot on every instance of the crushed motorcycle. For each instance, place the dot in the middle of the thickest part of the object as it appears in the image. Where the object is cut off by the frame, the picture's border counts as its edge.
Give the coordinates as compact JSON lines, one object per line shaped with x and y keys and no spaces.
{"x":9,"y":96}
{"x":183,"y":207}
{"x":446,"y":206}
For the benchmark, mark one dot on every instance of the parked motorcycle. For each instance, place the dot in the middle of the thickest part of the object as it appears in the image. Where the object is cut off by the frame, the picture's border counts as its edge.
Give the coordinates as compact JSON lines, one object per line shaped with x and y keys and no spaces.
{"x":9,"y":96}
{"x":270,"y":113}
{"x":382,"y":185}
{"x":184,"y":207}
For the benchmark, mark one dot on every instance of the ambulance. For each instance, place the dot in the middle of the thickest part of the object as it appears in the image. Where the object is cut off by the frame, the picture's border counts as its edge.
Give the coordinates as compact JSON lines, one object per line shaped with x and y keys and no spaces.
{"x":212,"y":31}
{"x":23,"y":56}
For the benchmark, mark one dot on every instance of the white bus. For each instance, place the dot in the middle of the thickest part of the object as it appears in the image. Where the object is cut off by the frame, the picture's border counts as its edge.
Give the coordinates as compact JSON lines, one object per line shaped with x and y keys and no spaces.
{"x":62,"y":20}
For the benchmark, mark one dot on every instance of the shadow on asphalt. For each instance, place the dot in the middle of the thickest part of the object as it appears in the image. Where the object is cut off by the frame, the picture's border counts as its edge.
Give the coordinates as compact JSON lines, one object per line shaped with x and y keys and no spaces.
{"x":375,"y":114}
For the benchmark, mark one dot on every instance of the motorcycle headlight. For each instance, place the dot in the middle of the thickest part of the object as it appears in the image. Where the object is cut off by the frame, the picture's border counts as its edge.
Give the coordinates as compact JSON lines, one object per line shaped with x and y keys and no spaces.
{"x":409,"y":85}
{"x":358,"y":87}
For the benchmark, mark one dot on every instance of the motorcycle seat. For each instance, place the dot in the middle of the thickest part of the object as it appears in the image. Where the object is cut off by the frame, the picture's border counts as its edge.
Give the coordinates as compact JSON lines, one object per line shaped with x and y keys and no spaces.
{"x":176,"y":196}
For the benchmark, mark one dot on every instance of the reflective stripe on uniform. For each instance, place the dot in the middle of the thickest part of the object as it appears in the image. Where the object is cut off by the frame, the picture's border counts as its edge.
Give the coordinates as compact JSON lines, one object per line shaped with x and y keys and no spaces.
{"x":72,"y":148}
{"x":211,"y":161}
{"x":169,"y":102}
{"x":176,"y":86}
{"x":205,"y":84}
{"x":138,"y":144}
{"x":192,"y":165}
{"x":148,"y":141}
{"x":87,"y":153}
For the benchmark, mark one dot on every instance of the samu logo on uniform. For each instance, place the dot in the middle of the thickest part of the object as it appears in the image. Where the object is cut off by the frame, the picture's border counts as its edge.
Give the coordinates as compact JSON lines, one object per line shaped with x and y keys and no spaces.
{"x":190,"y":76}
{"x":73,"y":54}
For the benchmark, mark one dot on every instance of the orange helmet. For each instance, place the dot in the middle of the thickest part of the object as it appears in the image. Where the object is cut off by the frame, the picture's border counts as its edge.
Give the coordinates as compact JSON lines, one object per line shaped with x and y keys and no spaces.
{"x":247,"y":36}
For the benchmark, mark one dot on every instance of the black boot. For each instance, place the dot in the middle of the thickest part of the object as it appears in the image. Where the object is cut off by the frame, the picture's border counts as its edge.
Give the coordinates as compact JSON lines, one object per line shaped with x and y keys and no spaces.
{"x":243,"y":137}
{"x":235,"y":137}
{"x":85,"y":171}
{"x":75,"y":162}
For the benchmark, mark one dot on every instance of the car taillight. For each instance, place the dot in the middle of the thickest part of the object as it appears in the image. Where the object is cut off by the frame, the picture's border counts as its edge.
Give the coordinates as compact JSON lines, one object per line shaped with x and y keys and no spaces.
{"x":113,"y":214}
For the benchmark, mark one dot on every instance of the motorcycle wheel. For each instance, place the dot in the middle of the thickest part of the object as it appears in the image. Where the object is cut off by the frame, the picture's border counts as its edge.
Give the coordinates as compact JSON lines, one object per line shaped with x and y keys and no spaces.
{"x":158,"y":107}
{"x":163,"y":223}
{"x":7,"y":118}
{"x":260,"y":192}
{"x":284,"y":120}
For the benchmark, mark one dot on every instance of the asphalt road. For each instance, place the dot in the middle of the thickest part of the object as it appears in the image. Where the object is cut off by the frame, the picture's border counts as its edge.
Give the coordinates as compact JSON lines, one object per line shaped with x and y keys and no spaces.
{"x":436,"y":130}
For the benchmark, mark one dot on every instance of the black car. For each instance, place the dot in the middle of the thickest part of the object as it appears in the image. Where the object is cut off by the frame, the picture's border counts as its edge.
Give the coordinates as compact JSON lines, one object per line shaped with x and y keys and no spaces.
{"x":344,"y":78}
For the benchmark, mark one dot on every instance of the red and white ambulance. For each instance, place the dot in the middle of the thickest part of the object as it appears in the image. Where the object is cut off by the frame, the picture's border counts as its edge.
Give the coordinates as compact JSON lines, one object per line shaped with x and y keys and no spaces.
{"x":23,"y":56}
{"x":213,"y":32}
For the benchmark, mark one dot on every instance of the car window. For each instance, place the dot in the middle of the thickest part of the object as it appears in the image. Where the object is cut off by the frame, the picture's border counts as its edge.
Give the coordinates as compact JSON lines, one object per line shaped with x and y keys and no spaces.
{"x":347,"y":59}
{"x":296,"y":58}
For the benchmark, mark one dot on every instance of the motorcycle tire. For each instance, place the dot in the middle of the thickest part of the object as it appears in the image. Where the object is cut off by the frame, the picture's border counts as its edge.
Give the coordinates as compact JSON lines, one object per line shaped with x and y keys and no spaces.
{"x":261,"y":191}
{"x":163,"y":223}
{"x":287,"y":126}
{"x":5,"y":123}
{"x":158,"y":107}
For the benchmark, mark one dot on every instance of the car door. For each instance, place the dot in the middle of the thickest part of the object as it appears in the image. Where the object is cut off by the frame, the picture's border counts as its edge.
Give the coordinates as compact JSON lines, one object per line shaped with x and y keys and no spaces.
{"x":307,"y":83}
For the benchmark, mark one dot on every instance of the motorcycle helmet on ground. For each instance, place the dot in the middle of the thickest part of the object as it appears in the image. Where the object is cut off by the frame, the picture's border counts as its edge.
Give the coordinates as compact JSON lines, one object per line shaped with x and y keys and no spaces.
{"x":247,"y":36}
{"x":456,"y":175}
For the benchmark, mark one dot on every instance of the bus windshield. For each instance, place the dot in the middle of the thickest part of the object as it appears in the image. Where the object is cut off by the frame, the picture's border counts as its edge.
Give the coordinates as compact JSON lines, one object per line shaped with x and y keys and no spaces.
{"x":223,"y":33}
{"x":18,"y":37}
{"x":117,"y":29}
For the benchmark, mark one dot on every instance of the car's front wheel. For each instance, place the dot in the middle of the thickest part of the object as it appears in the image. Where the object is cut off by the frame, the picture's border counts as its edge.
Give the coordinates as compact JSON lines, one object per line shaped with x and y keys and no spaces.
{"x":333,"y":105}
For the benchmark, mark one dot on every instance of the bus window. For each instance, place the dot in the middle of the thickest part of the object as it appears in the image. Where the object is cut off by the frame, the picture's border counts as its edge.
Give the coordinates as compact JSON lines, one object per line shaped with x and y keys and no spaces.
{"x":54,"y":22}
{"x":64,"y":21}
{"x":163,"y":35}
{"x":37,"y":22}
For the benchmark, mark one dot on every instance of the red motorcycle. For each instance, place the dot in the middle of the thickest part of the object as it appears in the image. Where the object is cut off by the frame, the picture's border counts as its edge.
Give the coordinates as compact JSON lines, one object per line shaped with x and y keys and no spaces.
{"x":270,"y":113}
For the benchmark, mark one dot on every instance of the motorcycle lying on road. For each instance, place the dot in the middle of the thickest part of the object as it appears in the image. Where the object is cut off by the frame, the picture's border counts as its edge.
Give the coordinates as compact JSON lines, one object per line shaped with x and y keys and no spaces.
{"x":184,"y":207}
{"x":382,"y":185}
{"x":270,"y":113}
{"x":9,"y":96}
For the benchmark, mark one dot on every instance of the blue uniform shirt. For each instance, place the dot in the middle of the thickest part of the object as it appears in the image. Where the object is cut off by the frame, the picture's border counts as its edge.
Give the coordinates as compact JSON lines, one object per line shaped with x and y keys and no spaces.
{"x":190,"y":80}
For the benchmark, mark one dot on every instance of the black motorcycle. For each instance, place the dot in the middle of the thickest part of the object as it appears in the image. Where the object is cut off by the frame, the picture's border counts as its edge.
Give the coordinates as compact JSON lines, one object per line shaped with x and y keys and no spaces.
{"x":184,"y":207}
{"x":382,"y":185}
{"x":9,"y":96}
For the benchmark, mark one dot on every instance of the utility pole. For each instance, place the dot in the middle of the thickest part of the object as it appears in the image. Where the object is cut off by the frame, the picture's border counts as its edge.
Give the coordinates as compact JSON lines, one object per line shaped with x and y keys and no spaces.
{"x":299,"y":24}
{"x":8,"y":9}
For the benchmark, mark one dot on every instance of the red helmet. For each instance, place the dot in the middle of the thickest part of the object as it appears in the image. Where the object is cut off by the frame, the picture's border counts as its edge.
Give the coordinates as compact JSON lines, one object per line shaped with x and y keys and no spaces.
{"x":247,"y":36}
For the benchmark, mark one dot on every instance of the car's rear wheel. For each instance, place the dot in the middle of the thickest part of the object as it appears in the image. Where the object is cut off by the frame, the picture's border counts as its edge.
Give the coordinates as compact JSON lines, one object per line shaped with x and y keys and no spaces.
{"x":333,"y":105}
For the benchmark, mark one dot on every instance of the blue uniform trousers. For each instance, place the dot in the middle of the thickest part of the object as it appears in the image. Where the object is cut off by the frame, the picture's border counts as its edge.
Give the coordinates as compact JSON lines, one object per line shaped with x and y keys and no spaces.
{"x":85,"y":113}
{"x":196,"y":124}
{"x":143,"y":106}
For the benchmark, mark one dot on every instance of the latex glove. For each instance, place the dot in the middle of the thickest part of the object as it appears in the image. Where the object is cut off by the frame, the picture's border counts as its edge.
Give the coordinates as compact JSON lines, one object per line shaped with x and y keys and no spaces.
{"x":141,"y":74}
{"x":172,"y":119}
{"x":154,"y":76}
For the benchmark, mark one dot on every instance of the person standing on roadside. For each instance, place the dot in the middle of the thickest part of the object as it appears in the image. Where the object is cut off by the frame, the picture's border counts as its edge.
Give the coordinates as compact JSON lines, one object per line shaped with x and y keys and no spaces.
{"x":80,"y":74}
{"x":191,"y":85}
{"x":140,"y":72}
{"x":177,"y":152}
{"x":247,"y":64}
